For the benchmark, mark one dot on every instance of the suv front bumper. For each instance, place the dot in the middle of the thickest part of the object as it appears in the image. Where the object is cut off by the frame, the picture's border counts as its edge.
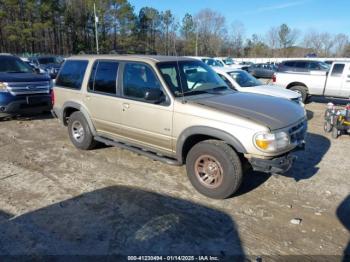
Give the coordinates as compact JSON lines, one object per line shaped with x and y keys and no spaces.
{"x":277,"y":165}
{"x":27,"y":105}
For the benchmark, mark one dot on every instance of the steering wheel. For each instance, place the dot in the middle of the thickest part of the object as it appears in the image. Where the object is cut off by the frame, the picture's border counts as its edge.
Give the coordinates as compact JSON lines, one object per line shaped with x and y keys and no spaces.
{"x":197,"y":82}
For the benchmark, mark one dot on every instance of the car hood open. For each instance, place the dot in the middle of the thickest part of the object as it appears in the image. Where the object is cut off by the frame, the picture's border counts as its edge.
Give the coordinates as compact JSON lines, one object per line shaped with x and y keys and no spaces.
{"x":272,"y":112}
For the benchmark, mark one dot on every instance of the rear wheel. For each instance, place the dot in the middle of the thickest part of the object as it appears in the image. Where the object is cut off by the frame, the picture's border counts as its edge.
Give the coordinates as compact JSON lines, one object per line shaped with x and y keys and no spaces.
{"x":79,"y":132}
{"x":327,"y":127}
{"x":302,"y":90}
{"x":335,"y":133}
{"x":214,"y":169}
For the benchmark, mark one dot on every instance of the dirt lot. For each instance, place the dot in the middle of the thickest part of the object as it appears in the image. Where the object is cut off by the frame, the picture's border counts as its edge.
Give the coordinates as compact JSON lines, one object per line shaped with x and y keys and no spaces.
{"x":55,"y":199}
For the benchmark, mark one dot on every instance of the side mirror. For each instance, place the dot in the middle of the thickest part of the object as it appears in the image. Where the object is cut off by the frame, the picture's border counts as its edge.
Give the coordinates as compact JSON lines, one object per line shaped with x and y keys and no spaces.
{"x":37,"y":70}
{"x":154,"y":95}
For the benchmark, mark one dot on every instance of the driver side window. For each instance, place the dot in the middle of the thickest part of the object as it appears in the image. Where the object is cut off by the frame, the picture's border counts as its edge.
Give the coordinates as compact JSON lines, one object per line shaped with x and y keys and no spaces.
{"x":137,"y":80}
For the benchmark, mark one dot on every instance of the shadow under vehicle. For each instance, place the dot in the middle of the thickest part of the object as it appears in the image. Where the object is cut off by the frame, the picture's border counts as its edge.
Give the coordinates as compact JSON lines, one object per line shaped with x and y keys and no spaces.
{"x":119,"y":221}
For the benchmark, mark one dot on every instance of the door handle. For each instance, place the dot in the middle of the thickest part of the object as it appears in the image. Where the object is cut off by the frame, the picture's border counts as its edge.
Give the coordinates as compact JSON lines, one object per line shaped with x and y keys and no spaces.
{"x":126,"y":106}
{"x":87,"y":96}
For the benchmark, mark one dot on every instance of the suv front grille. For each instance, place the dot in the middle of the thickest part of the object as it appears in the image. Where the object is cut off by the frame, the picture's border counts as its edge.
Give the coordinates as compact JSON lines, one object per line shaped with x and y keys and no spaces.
{"x":28,"y":88}
{"x":297,"y":133}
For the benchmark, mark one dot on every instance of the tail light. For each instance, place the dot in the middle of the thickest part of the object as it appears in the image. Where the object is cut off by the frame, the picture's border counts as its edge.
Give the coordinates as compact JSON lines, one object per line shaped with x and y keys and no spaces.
{"x":52,"y":97}
{"x":274,"y":78}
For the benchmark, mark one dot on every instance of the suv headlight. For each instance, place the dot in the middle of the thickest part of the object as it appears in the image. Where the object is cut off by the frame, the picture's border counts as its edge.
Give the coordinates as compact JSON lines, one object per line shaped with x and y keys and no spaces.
{"x":3,"y":87}
{"x":271,"y":142}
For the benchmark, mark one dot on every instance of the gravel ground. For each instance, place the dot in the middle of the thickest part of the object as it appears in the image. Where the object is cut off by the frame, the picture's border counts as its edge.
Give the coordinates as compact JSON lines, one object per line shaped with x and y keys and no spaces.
{"x":55,"y":199}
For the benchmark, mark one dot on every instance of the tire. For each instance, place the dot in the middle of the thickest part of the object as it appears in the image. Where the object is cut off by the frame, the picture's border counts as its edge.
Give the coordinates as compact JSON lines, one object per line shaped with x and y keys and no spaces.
{"x":301,"y":90}
{"x":335,"y":133}
{"x":79,"y":132}
{"x":214,"y":155}
{"x":327,"y":127}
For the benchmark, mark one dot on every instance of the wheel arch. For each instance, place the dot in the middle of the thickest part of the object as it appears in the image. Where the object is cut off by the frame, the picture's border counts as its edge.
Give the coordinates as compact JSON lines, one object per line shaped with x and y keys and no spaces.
{"x":289,"y":86}
{"x":193,"y":135}
{"x":71,"y":107}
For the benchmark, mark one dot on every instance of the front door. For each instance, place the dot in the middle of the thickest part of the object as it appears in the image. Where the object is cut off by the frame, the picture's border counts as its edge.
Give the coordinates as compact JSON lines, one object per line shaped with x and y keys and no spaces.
{"x":345,"y":91}
{"x":335,"y":80}
{"x":146,"y":122}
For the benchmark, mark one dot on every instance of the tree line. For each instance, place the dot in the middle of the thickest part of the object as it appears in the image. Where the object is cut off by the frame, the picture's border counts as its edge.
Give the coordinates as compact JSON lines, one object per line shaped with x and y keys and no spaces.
{"x":68,"y":27}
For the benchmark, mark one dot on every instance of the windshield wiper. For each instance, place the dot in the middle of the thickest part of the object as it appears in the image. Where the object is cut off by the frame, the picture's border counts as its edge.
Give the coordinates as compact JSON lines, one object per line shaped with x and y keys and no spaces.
{"x":218,"y":88}
{"x":195,"y":92}
{"x":14,"y":72}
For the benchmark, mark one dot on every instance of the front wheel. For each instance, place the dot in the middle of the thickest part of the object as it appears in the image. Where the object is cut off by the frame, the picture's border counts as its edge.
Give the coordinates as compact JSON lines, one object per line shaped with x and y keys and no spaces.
{"x":214,"y":169}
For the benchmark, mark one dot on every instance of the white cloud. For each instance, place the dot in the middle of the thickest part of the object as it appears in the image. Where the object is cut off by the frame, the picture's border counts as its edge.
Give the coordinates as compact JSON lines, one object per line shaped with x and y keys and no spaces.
{"x":275,"y":7}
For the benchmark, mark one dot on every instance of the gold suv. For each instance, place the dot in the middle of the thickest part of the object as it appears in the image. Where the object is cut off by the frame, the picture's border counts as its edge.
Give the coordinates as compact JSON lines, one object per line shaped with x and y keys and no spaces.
{"x":179,"y":111}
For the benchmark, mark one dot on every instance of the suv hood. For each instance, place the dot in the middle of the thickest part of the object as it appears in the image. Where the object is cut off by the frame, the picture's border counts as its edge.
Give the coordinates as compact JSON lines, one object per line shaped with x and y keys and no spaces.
{"x":272,"y":112}
{"x":272,"y":91}
{"x":23,"y":77}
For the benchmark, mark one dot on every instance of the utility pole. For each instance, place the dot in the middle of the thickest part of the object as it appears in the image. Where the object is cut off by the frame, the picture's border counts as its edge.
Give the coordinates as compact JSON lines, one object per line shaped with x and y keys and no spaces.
{"x":96,"y":32}
{"x":196,"y":50}
{"x":197,"y":43}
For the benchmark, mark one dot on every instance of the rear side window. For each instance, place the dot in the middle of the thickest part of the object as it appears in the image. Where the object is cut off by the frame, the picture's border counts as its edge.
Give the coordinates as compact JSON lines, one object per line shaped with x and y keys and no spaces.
{"x":338,"y":69}
{"x":314,"y":66}
{"x":300,"y":64}
{"x":103,"y":77}
{"x":72,"y":74}
{"x":291,"y":64}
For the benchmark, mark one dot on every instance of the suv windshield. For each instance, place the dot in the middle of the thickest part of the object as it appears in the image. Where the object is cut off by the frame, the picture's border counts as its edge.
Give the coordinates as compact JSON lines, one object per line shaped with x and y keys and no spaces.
{"x":244,"y":79}
{"x":49,"y":60}
{"x":186,"y":78}
{"x":11,"y":64}
{"x":228,"y":61}
{"x":212,"y":62}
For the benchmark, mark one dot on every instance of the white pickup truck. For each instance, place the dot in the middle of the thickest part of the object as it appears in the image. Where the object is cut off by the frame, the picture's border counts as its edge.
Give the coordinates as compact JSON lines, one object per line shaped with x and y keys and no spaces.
{"x":333,"y":83}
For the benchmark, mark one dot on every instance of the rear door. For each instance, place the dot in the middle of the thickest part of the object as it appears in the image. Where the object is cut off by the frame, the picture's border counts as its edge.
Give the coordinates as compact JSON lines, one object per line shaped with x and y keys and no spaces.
{"x":145,"y":123}
{"x":335,"y":80}
{"x":101,"y":97}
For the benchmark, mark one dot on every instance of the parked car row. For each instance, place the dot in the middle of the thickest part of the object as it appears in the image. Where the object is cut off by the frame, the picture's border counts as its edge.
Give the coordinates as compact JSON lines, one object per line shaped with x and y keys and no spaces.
{"x":45,"y":64}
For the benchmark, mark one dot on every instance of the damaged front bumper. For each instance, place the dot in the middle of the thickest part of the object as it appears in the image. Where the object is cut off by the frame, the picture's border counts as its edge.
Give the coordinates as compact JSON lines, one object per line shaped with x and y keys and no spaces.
{"x":276,"y":165}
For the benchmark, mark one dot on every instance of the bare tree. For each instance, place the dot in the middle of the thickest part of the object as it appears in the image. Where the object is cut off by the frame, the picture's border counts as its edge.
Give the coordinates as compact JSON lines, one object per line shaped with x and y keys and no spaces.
{"x":312,"y":40}
{"x":211,"y":31}
{"x":340,"y":42}
{"x":272,"y":39}
{"x":237,"y":38}
{"x":327,"y":42}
